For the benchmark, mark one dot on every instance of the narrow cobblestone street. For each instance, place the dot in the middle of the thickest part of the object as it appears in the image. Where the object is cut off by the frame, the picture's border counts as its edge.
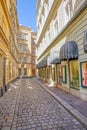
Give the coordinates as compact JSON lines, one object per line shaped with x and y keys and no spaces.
{"x":27,"y":106}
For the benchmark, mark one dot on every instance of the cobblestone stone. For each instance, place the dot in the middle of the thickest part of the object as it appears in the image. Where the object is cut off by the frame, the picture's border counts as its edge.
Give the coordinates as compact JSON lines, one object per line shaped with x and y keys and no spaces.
{"x":27,"y":106}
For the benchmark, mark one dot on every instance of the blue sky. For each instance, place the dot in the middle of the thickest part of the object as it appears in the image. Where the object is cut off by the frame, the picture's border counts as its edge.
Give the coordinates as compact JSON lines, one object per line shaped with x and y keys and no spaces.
{"x":27,"y":13}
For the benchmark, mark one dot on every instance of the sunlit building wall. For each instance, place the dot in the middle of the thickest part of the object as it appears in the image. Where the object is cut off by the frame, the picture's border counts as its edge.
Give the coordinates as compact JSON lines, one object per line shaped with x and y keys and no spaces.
{"x":26,"y":51}
{"x":8,"y":43}
{"x":62,"y":29}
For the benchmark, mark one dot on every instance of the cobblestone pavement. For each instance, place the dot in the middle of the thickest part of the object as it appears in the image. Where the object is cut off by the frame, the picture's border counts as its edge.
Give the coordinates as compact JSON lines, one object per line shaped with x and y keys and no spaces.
{"x":27,"y":106}
{"x":74,"y":101}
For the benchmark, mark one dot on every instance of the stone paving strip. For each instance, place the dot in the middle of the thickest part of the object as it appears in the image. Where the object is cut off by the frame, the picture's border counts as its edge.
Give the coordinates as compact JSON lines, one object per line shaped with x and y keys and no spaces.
{"x":27,"y":106}
{"x":79,"y":116}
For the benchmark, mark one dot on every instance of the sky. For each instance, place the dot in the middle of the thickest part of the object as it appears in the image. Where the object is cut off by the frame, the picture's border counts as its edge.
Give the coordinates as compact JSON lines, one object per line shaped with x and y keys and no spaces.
{"x":27,"y":13}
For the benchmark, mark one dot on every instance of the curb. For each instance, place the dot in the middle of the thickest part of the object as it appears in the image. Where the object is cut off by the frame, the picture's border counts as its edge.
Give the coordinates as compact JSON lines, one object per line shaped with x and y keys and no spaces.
{"x":80,"y":117}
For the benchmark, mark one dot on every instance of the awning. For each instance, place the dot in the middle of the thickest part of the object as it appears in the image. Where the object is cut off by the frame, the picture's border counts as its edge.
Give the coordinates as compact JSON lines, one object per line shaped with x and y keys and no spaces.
{"x":69,"y":51}
{"x":42,"y":63}
{"x":56,"y":61}
{"x":54,"y":58}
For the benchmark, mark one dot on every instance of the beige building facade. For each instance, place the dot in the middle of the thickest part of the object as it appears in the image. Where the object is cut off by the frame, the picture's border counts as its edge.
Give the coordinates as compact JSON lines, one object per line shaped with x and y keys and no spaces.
{"x":26,"y":51}
{"x":62,"y":44}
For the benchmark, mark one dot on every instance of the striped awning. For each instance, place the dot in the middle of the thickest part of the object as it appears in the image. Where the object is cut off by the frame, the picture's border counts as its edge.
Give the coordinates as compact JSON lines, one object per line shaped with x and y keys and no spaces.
{"x":54,"y":58}
{"x":56,"y":61}
{"x":69,"y":51}
{"x":42,"y":63}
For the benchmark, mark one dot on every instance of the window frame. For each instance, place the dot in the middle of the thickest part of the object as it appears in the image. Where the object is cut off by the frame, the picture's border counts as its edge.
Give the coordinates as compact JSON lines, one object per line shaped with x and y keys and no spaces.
{"x":81,"y":74}
{"x":65,"y":74}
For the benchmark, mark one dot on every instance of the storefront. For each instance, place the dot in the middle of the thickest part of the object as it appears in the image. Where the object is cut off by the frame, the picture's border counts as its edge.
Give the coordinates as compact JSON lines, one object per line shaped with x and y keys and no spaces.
{"x":74,"y":74}
{"x":53,"y":61}
{"x":55,"y":64}
{"x":42,"y":68}
{"x":70,"y":70}
{"x":59,"y":74}
{"x":84,"y":74}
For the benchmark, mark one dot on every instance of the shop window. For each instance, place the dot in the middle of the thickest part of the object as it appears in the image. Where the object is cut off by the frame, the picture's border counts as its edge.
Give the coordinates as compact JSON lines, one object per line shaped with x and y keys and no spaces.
{"x":43,"y":73}
{"x":84,"y":74}
{"x":64,"y":74}
{"x":54,"y":73}
{"x":74,"y":73}
{"x":59,"y":74}
{"x":40,"y":72}
{"x":47,"y":73}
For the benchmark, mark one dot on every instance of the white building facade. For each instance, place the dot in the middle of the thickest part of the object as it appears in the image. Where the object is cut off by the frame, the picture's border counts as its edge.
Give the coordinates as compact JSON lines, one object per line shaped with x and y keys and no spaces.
{"x":62,"y":29}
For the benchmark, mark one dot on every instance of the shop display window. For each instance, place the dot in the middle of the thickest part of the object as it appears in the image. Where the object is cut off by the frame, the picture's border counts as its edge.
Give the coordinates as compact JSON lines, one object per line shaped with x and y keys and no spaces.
{"x":48,"y":73}
{"x":84,"y":74}
{"x":64,"y":79}
{"x":59,"y":74}
{"x":74,"y":74}
{"x":54,"y":73}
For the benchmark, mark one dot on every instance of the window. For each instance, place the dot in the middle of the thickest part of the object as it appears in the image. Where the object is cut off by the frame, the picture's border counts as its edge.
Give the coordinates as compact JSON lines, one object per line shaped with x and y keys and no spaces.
{"x":48,"y":73}
{"x":59,"y":73}
{"x":64,"y":74}
{"x":23,"y":36}
{"x":74,"y":73}
{"x":53,"y":73}
{"x":84,"y":74}
{"x":56,"y":27}
{"x":25,"y":48}
{"x":69,"y":8}
{"x":25,"y":59}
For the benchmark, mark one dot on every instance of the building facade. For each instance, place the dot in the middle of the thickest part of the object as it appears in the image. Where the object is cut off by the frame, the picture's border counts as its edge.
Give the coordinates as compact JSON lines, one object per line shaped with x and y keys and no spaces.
{"x":17,"y":46}
{"x":26,"y":51}
{"x":8,"y":43}
{"x":62,"y":44}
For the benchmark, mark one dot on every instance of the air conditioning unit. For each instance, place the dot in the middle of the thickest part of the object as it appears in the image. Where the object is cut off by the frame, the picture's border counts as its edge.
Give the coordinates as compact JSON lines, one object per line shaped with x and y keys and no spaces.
{"x":85,"y":41}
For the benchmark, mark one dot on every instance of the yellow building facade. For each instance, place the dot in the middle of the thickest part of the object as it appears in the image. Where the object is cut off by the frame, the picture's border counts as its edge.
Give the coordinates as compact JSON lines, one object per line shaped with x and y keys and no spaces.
{"x":63,"y":36}
{"x":15,"y":60}
{"x":26,"y":51}
{"x":8,"y":44}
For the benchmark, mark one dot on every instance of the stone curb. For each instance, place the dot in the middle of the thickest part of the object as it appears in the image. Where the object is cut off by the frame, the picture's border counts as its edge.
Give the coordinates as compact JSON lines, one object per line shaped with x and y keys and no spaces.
{"x":80,"y":117}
